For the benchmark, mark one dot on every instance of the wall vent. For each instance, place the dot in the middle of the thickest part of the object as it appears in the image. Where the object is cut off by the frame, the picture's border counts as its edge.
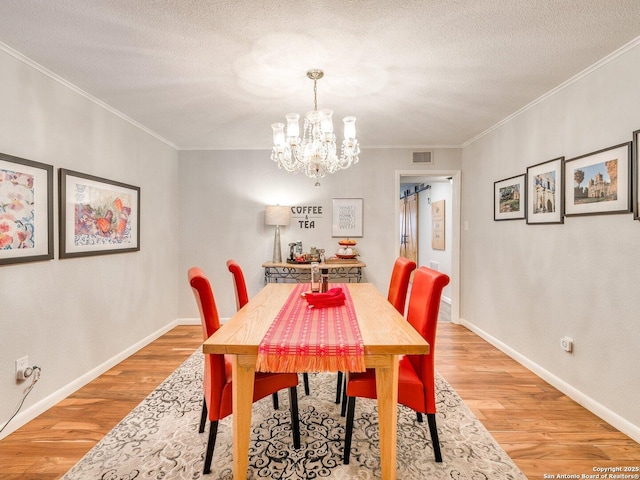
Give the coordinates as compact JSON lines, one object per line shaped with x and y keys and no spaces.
{"x":423,"y":158}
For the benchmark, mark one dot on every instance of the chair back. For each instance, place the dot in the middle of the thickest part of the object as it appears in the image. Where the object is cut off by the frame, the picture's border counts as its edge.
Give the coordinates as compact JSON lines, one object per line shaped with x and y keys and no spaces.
{"x":214,"y":371}
{"x":240,"y":285}
{"x":422,"y":314}
{"x":399,"y":284}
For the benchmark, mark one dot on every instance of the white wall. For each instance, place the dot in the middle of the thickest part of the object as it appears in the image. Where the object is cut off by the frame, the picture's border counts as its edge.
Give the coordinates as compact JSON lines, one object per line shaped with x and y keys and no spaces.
{"x":74,"y":316}
{"x":526,"y":286}
{"x":231,"y":189}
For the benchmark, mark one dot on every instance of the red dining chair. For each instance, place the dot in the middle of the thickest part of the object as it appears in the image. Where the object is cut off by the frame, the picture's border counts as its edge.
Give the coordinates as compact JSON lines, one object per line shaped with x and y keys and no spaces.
{"x":397,"y":296}
{"x":399,"y":285}
{"x":416,"y":376}
{"x":217,"y":384}
{"x":242,"y":298}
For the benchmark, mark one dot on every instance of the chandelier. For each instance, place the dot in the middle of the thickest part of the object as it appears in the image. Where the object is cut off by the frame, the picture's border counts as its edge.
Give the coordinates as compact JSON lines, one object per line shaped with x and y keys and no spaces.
{"x":315,"y":152}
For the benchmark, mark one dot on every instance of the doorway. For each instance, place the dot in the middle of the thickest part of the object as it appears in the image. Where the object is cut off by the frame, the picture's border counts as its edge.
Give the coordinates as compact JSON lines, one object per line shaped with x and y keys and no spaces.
{"x":431,"y":184}
{"x":409,"y":227}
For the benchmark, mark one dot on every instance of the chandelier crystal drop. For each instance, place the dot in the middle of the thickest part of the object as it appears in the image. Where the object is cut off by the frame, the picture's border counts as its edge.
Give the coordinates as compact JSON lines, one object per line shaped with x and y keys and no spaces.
{"x":315,"y":152}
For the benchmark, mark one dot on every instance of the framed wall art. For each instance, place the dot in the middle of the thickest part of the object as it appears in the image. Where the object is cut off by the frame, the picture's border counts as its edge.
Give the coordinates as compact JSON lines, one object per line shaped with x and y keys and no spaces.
{"x":26,"y":210}
{"x":599,"y":182}
{"x":509,"y":198}
{"x":437,"y":225}
{"x":97,"y":216}
{"x":545,"y":192}
{"x":347,"y":217}
{"x":636,"y":175}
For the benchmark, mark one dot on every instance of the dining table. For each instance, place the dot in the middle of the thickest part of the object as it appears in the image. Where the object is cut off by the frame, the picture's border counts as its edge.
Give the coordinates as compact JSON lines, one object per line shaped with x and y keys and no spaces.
{"x":385,"y":335}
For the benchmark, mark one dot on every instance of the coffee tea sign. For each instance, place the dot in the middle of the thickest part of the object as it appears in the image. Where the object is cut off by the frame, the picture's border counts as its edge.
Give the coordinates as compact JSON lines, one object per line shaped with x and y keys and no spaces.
{"x":306,"y":215}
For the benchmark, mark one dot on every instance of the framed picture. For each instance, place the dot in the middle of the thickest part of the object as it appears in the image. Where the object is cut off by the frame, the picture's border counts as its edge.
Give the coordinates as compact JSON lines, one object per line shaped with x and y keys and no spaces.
{"x":509,"y":198}
{"x":97,"y":216}
{"x":636,"y":175}
{"x":437,"y":225}
{"x":26,"y":210}
{"x":599,"y":182}
{"x":545,"y":192}
{"x":347,"y":217}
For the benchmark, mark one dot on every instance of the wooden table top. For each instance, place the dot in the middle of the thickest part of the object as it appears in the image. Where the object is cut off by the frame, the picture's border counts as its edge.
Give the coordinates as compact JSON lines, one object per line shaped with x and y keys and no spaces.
{"x":384,"y":331}
{"x":307,"y":266}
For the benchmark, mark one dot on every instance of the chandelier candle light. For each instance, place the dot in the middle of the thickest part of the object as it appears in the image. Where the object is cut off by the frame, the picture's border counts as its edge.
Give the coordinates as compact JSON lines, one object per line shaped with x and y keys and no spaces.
{"x":315,"y":152}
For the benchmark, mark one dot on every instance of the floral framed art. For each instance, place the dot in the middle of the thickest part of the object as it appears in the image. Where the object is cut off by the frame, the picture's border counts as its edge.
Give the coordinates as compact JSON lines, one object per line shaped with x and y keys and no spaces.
{"x":347,"y":217}
{"x":636,"y":175}
{"x":509,"y":198}
{"x":545,"y":192}
{"x":598,"y":183}
{"x":97,"y":216}
{"x":26,"y":210}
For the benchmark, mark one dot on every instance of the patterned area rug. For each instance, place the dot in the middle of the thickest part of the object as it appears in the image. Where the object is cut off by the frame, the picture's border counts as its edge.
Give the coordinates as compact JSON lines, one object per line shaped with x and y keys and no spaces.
{"x":159,"y":439}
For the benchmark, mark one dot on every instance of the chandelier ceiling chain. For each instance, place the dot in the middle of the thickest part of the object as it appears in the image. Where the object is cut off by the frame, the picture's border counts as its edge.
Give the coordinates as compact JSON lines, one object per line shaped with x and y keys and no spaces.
{"x":315,"y":152}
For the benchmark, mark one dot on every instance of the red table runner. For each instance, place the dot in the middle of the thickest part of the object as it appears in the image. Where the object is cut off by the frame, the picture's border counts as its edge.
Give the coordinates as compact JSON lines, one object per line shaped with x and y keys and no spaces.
{"x":303,"y":339}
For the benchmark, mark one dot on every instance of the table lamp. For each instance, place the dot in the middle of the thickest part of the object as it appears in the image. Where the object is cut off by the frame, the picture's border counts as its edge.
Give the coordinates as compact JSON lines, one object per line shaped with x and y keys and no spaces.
{"x":277,"y":215}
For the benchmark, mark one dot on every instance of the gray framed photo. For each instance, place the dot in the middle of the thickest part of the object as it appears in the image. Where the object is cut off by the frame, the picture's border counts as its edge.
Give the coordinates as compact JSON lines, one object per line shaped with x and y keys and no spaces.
{"x":599,"y":183}
{"x":509,"y":198}
{"x":26,"y":210}
{"x":636,"y":175}
{"x":347,"y":217}
{"x":545,"y":192}
{"x":97,"y":216}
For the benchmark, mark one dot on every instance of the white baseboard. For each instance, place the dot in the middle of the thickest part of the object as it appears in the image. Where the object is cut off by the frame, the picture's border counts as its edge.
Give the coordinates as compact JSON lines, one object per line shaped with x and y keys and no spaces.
{"x":43,"y":405}
{"x":188,"y":321}
{"x":587,"y":402}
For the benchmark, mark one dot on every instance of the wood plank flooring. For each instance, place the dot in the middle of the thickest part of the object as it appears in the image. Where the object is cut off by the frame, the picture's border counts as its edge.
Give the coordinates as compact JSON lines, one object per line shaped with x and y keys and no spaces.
{"x":542,"y":430}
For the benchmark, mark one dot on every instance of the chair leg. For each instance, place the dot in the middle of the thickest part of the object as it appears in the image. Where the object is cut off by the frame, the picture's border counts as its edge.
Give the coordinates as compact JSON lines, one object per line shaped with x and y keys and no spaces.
{"x":305,"y":378}
{"x":419,"y":415}
{"x":203,"y":416}
{"x":348,"y":430}
{"x":275,"y":400}
{"x":431,"y":418}
{"x":339,"y":388}
{"x":344,"y":397}
{"x":211,"y":443}
{"x":295,"y":425}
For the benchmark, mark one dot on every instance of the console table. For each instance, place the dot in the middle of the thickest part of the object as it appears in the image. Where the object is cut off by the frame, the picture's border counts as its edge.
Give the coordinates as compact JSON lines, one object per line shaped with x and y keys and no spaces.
{"x":275,"y":272}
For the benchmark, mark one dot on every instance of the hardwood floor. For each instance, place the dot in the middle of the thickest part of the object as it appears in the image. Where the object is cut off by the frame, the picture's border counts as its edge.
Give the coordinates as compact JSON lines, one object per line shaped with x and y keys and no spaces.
{"x":542,"y":430}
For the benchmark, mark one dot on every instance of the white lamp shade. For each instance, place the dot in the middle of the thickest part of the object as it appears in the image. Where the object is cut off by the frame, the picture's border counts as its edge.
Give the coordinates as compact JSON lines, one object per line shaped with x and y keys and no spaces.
{"x":276,"y":215}
{"x":293,"y":129}
{"x":278,"y":134}
{"x":326,"y":123}
{"x":349,"y":128}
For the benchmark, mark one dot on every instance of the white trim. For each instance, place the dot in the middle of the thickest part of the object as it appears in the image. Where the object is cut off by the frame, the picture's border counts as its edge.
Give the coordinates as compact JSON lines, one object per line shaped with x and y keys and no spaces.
{"x":587,"y":402}
{"x":43,"y":405}
{"x":188,"y":321}
{"x":26,"y":60}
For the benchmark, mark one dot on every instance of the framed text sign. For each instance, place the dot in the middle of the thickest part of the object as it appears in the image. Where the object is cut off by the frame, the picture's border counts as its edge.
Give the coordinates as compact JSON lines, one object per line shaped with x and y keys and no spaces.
{"x":347,"y":217}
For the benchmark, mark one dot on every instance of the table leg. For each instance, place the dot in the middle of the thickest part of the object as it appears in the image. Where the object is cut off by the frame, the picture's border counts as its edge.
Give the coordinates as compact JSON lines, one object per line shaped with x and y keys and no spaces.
{"x":387,"y":388}
{"x":243,"y":380}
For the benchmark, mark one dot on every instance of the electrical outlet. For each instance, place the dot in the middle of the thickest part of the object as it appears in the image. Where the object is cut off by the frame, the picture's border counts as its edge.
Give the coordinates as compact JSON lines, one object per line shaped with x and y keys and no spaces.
{"x":567,"y":344}
{"x":21,"y":367}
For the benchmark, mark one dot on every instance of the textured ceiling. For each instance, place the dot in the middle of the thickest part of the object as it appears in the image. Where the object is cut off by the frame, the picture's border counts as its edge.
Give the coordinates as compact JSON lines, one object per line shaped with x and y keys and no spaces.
{"x":215,"y":74}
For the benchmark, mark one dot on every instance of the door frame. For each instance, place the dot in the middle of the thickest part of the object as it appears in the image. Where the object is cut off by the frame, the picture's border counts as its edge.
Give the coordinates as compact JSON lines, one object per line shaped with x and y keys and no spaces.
{"x":455,"y":241}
